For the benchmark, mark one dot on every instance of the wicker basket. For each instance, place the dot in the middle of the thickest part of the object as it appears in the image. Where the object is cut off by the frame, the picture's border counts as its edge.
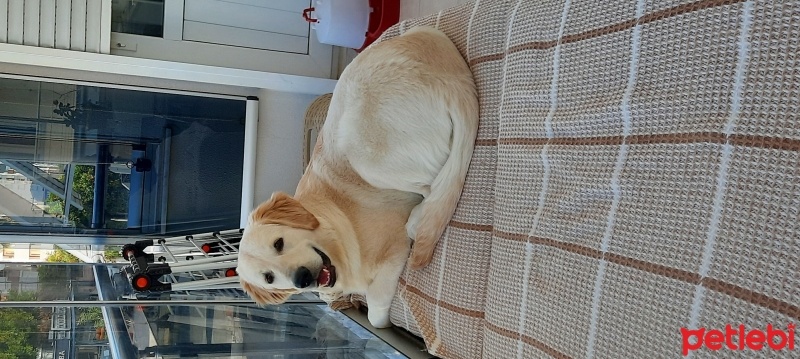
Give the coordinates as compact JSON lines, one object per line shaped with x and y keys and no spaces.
{"x":314,"y":118}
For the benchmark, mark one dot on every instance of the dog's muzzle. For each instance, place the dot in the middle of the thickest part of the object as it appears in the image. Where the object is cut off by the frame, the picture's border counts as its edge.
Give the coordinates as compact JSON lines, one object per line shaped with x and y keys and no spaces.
{"x":325,"y":277}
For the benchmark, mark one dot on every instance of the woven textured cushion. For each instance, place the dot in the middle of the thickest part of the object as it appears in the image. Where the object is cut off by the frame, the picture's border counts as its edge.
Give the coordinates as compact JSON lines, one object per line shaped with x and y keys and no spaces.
{"x":636,"y":171}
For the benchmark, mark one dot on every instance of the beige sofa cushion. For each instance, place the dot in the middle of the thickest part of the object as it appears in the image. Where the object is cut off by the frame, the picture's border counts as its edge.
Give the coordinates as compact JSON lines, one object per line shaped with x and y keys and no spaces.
{"x":636,"y":171}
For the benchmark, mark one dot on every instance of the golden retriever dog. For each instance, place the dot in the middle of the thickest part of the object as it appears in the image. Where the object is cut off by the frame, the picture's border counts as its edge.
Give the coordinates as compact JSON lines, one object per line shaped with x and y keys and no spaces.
{"x":388,"y":167}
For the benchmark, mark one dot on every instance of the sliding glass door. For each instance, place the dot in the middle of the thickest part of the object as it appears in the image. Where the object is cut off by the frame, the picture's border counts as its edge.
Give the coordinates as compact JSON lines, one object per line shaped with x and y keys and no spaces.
{"x":83,"y":159}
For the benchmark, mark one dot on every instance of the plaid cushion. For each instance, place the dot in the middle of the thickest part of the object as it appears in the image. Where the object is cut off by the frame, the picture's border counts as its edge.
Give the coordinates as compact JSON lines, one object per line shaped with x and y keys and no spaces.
{"x":636,"y":171}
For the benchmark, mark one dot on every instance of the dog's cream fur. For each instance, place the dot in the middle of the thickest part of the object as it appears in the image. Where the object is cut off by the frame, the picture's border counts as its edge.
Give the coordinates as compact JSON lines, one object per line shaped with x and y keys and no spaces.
{"x":389,"y":165}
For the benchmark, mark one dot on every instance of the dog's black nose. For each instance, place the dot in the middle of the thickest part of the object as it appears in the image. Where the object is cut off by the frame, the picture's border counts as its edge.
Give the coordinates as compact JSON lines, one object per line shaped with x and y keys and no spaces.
{"x":303,"y":277}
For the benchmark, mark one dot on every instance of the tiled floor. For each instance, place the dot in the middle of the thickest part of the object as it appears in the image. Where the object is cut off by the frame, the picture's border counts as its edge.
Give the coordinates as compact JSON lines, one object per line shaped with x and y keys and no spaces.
{"x":410,"y":9}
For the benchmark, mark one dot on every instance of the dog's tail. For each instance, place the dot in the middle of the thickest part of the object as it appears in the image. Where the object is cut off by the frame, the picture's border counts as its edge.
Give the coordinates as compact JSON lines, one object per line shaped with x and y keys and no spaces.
{"x":436,"y":210}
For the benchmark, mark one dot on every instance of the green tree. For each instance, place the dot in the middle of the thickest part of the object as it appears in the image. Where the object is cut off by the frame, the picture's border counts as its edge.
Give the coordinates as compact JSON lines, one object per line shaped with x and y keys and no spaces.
{"x":83,"y":186}
{"x":42,"y":315}
{"x":116,"y":197}
{"x":51,"y":274}
{"x":62,"y":256}
{"x":20,"y":296}
{"x":55,"y":205}
{"x":112,"y":252}
{"x":52,"y":277}
{"x":92,"y":316}
{"x":17,"y":329}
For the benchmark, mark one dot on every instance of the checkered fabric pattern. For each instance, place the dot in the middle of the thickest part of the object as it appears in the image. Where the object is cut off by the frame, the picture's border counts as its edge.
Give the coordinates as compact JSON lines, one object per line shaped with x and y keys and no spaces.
{"x":636,"y":171}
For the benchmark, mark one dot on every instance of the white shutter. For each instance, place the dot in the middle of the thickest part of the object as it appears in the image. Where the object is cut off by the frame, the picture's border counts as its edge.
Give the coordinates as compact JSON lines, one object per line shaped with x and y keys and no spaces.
{"x":63,"y":20}
{"x":16,"y":12}
{"x":3,"y":20}
{"x":105,"y":27}
{"x":93,"y":13}
{"x":47,"y":23}
{"x":30,"y":23}
{"x":77,"y":36}
{"x":82,"y":25}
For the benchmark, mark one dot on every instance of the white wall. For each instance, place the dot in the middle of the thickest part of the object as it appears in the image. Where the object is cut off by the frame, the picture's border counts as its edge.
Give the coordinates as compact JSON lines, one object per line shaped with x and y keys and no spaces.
{"x":37,"y":57}
{"x":317,"y":64}
{"x":57,"y":74}
{"x":279,"y":159}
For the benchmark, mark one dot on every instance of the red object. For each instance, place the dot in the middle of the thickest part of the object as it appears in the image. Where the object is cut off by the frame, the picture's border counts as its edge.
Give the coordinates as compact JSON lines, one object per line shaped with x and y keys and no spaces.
{"x":231,"y":272}
{"x":141,"y":282}
{"x":385,"y":14}
{"x":305,"y":15}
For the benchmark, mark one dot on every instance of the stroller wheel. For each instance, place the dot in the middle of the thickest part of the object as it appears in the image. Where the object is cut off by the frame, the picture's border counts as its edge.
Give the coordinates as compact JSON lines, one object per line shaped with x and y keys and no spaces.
{"x":140,"y":282}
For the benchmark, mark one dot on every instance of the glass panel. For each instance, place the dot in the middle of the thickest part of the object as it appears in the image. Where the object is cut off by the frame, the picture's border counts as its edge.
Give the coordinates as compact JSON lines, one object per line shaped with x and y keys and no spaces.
{"x":138,"y":17}
{"x":300,"y":331}
{"x":127,"y":162}
{"x":161,"y":329}
{"x":48,"y":330}
{"x":46,"y":281}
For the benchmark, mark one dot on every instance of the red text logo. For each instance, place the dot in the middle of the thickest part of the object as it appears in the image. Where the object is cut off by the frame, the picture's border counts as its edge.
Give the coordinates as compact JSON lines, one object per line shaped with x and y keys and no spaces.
{"x":738,"y":338}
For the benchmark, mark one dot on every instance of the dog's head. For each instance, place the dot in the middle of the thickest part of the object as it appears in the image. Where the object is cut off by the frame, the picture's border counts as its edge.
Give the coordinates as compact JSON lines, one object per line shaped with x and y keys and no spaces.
{"x":280,"y":253}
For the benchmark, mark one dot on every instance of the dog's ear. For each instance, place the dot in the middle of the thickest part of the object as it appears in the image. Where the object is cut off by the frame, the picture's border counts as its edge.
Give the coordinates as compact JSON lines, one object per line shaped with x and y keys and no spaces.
{"x":285,"y":210}
{"x":266,"y":296}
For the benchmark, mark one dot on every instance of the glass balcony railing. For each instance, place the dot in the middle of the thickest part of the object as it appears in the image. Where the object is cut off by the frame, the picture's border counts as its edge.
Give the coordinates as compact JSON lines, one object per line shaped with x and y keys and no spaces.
{"x":81,"y":311}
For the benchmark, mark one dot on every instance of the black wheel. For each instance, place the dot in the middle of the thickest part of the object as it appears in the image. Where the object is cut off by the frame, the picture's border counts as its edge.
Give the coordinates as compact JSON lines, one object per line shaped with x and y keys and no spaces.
{"x":128,"y":251}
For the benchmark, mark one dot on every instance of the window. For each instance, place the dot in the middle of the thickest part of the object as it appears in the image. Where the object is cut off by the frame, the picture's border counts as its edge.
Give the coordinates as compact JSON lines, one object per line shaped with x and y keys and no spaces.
{"x":116,"y":161}
{"x":138,"y":17}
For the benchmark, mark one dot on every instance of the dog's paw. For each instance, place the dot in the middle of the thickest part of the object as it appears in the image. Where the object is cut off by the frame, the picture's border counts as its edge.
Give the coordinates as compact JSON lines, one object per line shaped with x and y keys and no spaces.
{"x":379,"y":318}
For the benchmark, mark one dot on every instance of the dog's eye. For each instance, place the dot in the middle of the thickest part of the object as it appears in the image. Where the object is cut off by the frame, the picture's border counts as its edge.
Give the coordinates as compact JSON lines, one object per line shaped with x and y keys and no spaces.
{"x":278,"y":245}
{"x":269,"y":277}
